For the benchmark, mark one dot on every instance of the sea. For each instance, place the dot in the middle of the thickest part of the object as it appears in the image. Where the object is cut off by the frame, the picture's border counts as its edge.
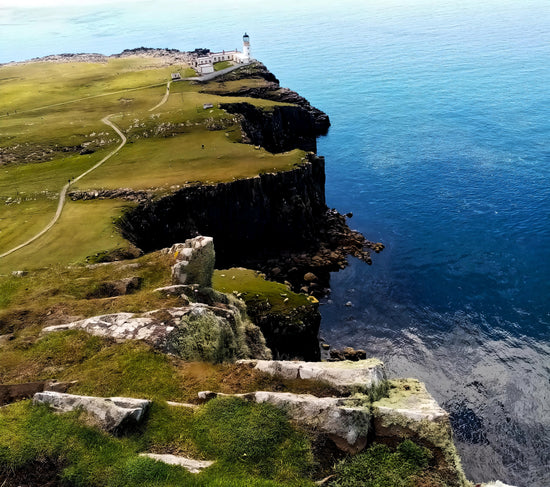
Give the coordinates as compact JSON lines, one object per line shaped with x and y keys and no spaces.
{"x":439,"y":146}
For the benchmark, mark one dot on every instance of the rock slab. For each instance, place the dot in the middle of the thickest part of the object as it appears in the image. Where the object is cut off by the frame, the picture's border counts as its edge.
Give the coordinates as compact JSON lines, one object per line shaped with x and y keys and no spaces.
{"x":112,"y":414}
{"x":345,"y":376}
{"x":347,"y":426}
{"x":193,"y":466}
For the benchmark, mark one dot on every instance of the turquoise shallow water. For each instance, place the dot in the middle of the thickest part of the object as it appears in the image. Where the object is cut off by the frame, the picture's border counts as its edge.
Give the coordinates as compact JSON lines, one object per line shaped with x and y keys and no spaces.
{"x":440,"y":147}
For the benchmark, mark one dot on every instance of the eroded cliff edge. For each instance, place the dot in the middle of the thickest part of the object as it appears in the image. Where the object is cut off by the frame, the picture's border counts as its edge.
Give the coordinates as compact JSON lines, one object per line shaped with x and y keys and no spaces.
{"x":276,"y":222}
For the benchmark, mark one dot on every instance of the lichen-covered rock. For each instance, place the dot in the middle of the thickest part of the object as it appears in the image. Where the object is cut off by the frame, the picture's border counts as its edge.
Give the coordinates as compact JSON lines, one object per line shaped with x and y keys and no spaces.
{"x":215,"y":333}
{"x":348,"y":426}
{"x":409,"y":411}
{"x":112,"y":414}
{"x":195,"y":261}
{"x":345,"y":376}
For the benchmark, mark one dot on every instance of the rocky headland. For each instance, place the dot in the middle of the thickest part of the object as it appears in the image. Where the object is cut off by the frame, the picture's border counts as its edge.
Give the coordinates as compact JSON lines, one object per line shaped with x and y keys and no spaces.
{"x":276,"y":223}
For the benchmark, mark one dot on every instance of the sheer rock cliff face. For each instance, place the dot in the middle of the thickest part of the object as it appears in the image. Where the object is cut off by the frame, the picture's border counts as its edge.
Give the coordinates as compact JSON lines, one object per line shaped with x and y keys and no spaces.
{"x":249,"y":219}
{"x":279,"y":129}
{"x":271,"y":90}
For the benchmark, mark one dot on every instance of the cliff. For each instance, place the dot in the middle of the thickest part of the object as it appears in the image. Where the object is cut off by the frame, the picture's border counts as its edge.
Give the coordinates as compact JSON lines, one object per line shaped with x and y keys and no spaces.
{"x":248,"y":217}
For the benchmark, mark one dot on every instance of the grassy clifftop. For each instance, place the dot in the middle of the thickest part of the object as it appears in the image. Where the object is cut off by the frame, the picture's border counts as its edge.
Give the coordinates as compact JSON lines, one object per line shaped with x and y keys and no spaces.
{"x":51,"y":131}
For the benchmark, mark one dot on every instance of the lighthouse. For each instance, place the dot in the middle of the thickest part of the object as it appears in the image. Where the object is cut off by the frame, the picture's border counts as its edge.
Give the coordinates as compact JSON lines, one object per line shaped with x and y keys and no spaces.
{"x":246,"y":48}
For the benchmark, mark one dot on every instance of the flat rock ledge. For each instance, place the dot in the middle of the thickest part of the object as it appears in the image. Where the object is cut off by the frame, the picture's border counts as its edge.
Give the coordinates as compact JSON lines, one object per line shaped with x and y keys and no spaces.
{"x":345,"y":376}
{"x":193,"y":466}
{"x":409,"y":411}
{"x":347,"y":425}
{"x":112,"y":414}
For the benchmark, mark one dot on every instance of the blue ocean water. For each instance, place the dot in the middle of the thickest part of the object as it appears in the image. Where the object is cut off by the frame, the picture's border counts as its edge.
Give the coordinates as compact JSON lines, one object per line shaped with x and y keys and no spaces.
{"x":440,"y":146}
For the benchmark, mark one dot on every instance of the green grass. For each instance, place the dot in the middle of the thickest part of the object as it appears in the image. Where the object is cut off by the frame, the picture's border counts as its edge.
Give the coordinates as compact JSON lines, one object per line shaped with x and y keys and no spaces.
{"x":82,"y":455}
{"x":253,"y":288}
{"x":60,"y":107}
{"x":175,"y":161}
{"x":30,"y":85}
{"x":222,"y":65}
{"x":84,"y":229}
{"x":234,"y":85}
{"x":379,"y":466}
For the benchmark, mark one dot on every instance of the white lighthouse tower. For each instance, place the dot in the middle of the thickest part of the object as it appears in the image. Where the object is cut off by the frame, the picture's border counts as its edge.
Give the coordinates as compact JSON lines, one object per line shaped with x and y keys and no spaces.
{"x":246,"y":48}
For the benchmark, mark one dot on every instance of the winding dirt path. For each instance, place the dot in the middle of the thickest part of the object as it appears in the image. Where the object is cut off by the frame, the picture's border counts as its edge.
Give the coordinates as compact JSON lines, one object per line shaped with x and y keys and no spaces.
{"x":164,"y":99}
{"x":65,"y":188}
{"x":123,"y":139}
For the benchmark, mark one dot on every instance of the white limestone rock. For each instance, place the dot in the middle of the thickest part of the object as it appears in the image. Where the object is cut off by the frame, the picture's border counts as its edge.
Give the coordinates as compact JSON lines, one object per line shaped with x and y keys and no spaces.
{"x":410,"y":411}
{"x":120,"y":326}
{"x":195,"y":261}
{"x":347,"y":426}
{"x":193,"y":466}
{"x":112,"y":414}
{"x":346,"y":376}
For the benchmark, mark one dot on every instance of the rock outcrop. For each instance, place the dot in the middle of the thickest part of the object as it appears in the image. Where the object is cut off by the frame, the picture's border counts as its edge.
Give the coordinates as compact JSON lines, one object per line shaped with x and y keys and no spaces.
{"x":372,"y":409}
{"x":194,"y":261}
{"x":347,"y":377}
{"x":409,"y":411}
{"x":248,"y":218}
{"x":210,"y":326}
{"x":347,"y":426}
{"x":197,"y":331}
{"x":271,"y":90}
{"x":279,"y":129}
{"x":112,"y":414}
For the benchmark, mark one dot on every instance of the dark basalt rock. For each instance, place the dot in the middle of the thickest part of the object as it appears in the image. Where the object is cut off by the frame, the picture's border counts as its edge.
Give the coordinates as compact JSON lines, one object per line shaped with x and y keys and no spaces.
{"x":272,"y":91}
{"x":279,"y":129}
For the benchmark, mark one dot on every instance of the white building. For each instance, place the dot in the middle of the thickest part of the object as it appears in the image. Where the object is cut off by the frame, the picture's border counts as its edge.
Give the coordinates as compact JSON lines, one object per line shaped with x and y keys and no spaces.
{"x":202,"y":60}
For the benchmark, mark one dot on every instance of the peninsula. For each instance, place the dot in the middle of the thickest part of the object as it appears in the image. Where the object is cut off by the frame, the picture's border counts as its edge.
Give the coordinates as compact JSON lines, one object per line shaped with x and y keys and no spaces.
{"x":164,"y":239}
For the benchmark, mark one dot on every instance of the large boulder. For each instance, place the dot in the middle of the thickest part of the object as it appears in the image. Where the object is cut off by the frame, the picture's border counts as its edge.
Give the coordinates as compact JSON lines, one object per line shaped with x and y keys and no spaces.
{"x":346,"y":424}
{"x":345,"y":376}
{"x":215,"y":333}
{"x":195,"y":260}
{"x":112,"y":414}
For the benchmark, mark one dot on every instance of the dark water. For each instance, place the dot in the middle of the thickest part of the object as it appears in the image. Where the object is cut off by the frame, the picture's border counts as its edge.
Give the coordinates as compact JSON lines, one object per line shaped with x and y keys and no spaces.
{"x":440,"y":146}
